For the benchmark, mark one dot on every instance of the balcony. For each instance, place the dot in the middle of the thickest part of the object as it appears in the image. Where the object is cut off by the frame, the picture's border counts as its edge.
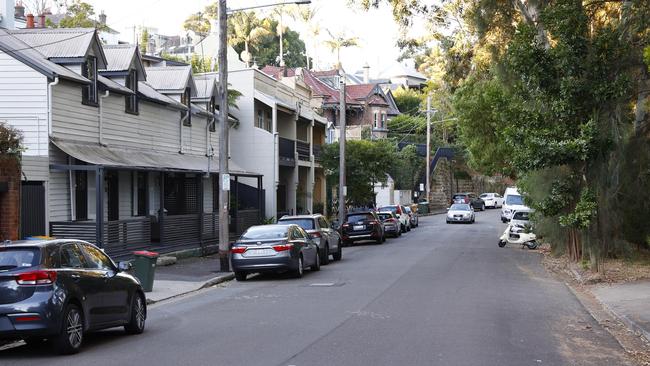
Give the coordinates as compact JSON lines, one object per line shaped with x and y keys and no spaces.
{"x":318,"y":153}
{"x":303,"y":151}
{"x":287,"y":152}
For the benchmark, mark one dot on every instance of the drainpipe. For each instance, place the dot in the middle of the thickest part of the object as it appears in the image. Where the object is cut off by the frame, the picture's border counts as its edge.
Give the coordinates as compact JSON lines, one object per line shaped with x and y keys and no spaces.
{"x":49,"y":104}
{"x":180,"y":130}
{"x":101,"y":118}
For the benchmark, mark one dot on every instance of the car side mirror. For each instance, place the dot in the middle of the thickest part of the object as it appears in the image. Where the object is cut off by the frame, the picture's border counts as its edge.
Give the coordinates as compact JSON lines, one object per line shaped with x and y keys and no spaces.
{"x":124,"y":266}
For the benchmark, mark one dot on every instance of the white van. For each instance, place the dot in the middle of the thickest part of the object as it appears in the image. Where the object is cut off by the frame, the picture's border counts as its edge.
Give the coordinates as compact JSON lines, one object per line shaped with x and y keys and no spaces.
{"x":512,"y":201}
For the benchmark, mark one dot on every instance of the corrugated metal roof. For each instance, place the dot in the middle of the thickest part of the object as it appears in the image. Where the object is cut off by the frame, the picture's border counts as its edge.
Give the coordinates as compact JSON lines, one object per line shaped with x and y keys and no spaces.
{"x":57,"y":42}
{"x":113,"y":86}
{"x":169,"y":78}
{"x":119,"y":56}
{"x":205,"y":88}
{"x":149,"y":92}
{"x":141,"y":158}
{"x":34,"y":59}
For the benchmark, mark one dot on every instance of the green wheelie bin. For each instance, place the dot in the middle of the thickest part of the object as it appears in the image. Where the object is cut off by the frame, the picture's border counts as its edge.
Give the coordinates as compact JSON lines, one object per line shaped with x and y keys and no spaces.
{"x":144,"y":266}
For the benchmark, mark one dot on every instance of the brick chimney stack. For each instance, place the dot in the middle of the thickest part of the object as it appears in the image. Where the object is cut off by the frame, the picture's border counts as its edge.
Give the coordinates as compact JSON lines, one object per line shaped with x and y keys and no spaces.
{"x":30,"y":21}
{"x":19,"y":11}
{"x":41,"y":21}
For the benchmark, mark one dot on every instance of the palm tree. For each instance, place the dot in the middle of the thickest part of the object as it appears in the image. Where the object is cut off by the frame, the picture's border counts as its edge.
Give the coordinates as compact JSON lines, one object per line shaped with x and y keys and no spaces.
{"x":278,"y":12}
{"x":335,"y":43}
{"x":245,"y":27}
{"x":307,"y":16}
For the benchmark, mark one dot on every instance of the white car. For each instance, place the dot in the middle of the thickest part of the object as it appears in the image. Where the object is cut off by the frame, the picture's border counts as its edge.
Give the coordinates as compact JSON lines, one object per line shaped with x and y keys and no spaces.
{"x":513,"y":201}
{"x":460,"y":212}
{"x":493,"y":200}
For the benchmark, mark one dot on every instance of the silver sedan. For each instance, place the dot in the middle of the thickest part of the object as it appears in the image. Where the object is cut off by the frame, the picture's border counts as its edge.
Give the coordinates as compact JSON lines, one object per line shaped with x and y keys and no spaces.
{"x":460,"y":212}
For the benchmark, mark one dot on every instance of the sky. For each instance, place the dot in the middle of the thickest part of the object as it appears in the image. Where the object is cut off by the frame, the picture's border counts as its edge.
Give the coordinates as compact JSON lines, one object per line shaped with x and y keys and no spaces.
{"x":376,"y":30}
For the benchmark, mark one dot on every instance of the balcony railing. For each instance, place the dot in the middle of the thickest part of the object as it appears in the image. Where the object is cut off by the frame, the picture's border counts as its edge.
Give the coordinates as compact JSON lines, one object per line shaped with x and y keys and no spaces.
{"x":287,"y":152}
{"x":118,"y":235}
{"x":303,"y":151}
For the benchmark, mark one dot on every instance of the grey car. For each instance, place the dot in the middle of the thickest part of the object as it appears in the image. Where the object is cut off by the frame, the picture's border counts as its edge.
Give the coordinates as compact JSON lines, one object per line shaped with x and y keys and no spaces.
{"x":328,"y":239}
{"x":460,"y":212}
{"x":274,"y":248}
{"x":414,"y":219}
{"x":60,"y":289}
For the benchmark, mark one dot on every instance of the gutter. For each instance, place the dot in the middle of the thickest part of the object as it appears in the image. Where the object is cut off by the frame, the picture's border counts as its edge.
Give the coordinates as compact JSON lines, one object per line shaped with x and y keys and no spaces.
{"x":101,"y":117}
{"x":49,"y":104}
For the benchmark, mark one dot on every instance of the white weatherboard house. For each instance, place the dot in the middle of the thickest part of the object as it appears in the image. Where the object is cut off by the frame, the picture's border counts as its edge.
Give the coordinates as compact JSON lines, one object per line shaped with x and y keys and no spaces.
{"x":280,"y":136}
{"x":95,"y":120}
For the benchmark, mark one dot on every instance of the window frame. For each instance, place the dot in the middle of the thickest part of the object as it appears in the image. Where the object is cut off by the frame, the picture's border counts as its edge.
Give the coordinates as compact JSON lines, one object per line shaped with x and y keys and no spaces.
{"x":186,"y":99}
{"x":212,"y":107}
{"x":90,"y":93}
{"x":131,"y":102}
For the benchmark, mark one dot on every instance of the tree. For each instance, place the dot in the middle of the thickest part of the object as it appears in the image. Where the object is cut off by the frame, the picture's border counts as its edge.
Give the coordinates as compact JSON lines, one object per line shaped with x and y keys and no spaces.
{"x":144,"y":41}
{"x":307,"y":16}
{"x":367,"y":162}
{"x":336,"y":42}
{"x":10,"y":140}
{"x":408,"y":100}
{"x":407,"y":172}
{"x":245,"y":28}
{"x":79,"y":14}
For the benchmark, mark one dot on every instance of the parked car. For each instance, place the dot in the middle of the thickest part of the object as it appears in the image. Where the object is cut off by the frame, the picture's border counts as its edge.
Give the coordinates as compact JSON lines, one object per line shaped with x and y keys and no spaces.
{"x":61,"y":289}
{"x":362,"y":226}
{"x":391,"y":223}
{"x":274,"y":248}
{"x":492,"y":200}
{"x":328,"y":239}
{"x":401,"y":216}
{"x":521,"y":218}
{"x":513,"y":201}
{"x":414,"y":220}
{"x":460,"y":212}
{"x":469,"y":198}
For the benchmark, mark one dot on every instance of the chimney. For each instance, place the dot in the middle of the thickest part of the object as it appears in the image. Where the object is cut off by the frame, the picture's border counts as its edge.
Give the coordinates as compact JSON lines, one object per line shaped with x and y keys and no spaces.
{"x":102,"y":18}
{"x":366,"y":73}
{"x":30,"y":21}
{"x":41,"y":21}
{"x":19,"y":11}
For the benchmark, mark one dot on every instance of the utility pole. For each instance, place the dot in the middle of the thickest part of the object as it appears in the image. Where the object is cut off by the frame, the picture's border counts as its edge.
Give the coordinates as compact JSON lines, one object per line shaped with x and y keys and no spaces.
{"x":342,"y":150}
{"x":224,"y":176}
{"x":428,"y":164}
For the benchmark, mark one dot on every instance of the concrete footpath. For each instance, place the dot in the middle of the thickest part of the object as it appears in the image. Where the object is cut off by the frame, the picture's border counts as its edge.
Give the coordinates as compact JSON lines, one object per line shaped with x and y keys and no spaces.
{"x":628,"y":301}
{"x":185,"y":276}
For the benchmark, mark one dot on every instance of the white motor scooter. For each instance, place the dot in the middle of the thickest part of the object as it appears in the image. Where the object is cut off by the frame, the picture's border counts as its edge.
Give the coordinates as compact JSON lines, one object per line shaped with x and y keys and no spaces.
{"x":518,"y":234}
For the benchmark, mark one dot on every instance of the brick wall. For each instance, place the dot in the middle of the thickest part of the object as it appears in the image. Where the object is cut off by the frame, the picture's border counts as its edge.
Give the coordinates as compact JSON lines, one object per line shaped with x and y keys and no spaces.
{"x":10,"y":200}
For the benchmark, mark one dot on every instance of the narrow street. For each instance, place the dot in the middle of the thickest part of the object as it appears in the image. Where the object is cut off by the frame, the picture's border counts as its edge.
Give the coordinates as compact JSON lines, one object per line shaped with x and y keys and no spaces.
{"x":439,"y":295}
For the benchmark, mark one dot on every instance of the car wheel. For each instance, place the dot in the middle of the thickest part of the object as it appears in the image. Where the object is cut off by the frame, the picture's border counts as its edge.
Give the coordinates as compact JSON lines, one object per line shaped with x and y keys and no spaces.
{"x":338,"y":255}
{"x":241,"y":276}
{"x":316,"y":266}
{"x":71,"y":335}
{"x":325,"y":256}
{"x":298,"y":272}
{"x":379,"y":240}
{"x":408,"y":228}
{"x":138,"y":315}
{"x":483,"y":207}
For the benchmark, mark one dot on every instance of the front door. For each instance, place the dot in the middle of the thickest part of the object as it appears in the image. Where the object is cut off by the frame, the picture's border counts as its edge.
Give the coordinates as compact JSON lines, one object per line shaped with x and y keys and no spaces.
{"x":32,"y":209}
{"x":113,"y":189}
{"x":81,"y":195}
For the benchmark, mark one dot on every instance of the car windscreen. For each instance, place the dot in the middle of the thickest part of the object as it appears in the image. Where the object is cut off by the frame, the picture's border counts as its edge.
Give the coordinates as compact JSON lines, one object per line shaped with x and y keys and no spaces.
{"x":265,"y":232}
{"x":18,"y":258}
{"x":514,"y":199}
{"x":385,"y":216}
{"x":521,"y":215}
{"x":484,"y":195}
{"x":407,"y":209}
{"x":307,"y":224}
{"x":392,"y":209}
{"x":459,"y":208}
{"x":359,"y":217}
{"x":459,"y":196}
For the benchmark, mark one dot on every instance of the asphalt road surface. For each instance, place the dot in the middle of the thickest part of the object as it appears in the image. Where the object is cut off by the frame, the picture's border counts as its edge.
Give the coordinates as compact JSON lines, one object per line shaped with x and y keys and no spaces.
{"x":439,"y":295}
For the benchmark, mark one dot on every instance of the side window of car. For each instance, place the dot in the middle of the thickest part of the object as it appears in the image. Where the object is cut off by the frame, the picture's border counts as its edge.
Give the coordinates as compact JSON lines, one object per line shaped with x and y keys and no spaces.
{"x":51,"y":257}
{"x":97,"y":259}
{"x":323,"y":223}
{"x":72,"y":257}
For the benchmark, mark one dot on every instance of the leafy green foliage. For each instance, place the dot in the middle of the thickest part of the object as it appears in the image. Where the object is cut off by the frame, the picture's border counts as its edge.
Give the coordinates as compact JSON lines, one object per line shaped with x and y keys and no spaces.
{"x":408,"y":101}
{"x":10,"y":139}
{"x":78,"y":15}
{"x":367,"y":162}
{"x":406,"y":171}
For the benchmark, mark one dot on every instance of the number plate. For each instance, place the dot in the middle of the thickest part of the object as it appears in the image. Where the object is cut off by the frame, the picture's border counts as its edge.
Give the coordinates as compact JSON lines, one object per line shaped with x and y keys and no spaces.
{"x":264,"y":252}
{"x":359,"y":227}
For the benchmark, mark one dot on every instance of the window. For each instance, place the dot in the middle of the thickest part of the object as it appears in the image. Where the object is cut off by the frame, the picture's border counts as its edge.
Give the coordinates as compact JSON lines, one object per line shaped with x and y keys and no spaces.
{"x":89,"y":71}
{"x":260,"y":119}
{"x":269,"y":121}
{"x":212,"y":107}
{"x":72,"y":257}
{"x":132,"y":100}
{"x":143,"y":193}
{"x":307,"y":224}
{"x":383,"y":120}
{"x":323,"y":223}
{"x":375,"y":120}
{"x":97,"y":259}
{"x":186,"y":100}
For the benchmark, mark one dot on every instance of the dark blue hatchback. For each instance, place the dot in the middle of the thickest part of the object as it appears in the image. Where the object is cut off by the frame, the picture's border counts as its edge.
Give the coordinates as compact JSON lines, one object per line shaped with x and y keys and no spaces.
{"x":57,"y":290}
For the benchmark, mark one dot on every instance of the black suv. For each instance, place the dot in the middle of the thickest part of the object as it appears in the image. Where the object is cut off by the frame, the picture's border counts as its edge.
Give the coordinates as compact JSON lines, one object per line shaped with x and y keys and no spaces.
{"x":363,"y":225}
{"x":469,"y":198}
{"x":61,"y":289}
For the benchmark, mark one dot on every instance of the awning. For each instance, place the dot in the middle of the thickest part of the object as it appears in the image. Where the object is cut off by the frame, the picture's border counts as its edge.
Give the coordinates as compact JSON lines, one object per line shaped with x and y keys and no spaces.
{"x":273,"y":101}
{"x":139,"y":159}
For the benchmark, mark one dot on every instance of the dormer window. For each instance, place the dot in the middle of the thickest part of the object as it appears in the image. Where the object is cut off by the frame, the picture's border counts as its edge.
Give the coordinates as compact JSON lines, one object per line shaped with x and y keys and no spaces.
{"x":132,"y":100}
{"x":89,"y":71}
{"x":186,"y":100}
{"x":212,"y":109}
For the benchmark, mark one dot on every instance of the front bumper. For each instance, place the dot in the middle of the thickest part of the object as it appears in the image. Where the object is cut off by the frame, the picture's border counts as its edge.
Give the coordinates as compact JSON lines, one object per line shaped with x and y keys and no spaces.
{"x":459,"y":219}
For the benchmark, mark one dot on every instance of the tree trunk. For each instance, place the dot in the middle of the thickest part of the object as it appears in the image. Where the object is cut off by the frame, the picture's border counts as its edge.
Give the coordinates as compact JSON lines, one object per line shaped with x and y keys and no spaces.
{"x":531,"y":13}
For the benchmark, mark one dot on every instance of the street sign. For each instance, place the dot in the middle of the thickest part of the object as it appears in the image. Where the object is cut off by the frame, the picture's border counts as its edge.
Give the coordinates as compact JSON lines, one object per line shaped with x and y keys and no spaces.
{"x":345,"y":190}
{"x":225,"y":182}
{"x":421,"y":187}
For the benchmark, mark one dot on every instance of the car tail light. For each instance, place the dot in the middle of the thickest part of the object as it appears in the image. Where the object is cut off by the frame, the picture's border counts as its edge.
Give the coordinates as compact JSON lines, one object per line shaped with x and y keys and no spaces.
{"x":238,"y":250}
{"x":316,"y":234}
{"x":27,"y":318}
{"x":282,"y":247}
{"x":346,"y":225}
{"x":374,"y":222}
{"x":36,"y":278}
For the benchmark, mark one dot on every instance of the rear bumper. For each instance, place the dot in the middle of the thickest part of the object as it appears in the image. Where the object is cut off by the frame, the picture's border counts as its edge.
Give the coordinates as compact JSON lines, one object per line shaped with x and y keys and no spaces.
{"x":40,"y":306}
{"x":361,"y":236}
{"x":268,"y":264}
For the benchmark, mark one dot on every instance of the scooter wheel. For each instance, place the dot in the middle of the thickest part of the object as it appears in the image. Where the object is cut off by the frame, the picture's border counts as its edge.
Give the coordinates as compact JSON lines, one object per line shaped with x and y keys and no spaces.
{"x":532,"y":245}
{"x":502,"y":243}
